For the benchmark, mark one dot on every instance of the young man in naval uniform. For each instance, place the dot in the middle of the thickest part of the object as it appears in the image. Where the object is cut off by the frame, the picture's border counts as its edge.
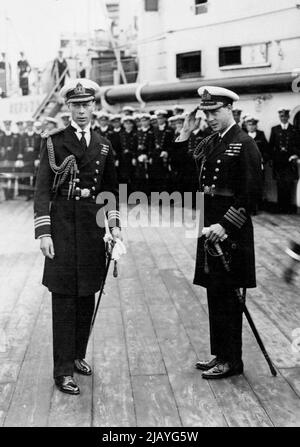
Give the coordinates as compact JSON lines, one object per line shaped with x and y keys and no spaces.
{"x":229,"y":167}
{"x":76,"y":165}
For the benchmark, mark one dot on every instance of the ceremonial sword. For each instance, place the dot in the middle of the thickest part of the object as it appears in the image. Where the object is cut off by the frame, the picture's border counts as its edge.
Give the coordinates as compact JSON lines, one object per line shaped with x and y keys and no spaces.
{"x":242,"y":301}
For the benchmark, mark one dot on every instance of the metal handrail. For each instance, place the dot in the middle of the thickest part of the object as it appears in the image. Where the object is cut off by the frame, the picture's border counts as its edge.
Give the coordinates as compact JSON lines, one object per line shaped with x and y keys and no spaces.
{"x":50,"y":94}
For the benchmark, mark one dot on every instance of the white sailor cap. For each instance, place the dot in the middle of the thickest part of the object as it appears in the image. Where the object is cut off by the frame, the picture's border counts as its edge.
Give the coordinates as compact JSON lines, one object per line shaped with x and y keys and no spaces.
{"x":284,"y":110}
{"x":244,"y":117}
{"x":128,"y":118}
{"x":172,"y":119}
{"x":251,"y":118}
{"x":180,"y":117}
{"x":38,"y":123}
{"x":103,"y":114}
{"x":213,"y":98}
{"x":161,"y":112}
{"x":115,"y":116}
{"x":153,"y":117}
{"x":178,"y":107}
{"x":29,"y":120}
{"x":79,"y":90}
{"x":128,"y":109}
{"x":145,"y":116}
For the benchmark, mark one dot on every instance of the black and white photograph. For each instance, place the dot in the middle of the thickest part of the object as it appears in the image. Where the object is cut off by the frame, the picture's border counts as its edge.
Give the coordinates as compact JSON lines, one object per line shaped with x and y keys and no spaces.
{"x":149,"y":217}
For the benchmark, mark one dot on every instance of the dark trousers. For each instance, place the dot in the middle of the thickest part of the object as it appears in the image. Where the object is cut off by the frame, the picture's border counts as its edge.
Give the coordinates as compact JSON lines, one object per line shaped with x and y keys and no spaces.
{"x":284,"y":195}
{"x":71,"y":321}
{"x":225,"y":321}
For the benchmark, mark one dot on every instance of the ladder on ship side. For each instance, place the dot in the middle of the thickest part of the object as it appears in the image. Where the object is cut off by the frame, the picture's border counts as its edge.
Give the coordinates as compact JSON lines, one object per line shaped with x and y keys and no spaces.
{"x":51,"y":104}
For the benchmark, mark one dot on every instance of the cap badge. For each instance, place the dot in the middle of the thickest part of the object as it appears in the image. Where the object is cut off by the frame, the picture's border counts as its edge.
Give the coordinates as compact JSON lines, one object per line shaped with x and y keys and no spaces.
{"x":206,"y":96}
{"x":79,"y":89}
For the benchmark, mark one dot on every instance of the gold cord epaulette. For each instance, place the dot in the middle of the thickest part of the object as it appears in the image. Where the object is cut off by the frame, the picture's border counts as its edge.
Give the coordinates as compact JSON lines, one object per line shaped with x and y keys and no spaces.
{"x":49,"y":133}
{"x":199,"y":150}
{"x":68,"y":166}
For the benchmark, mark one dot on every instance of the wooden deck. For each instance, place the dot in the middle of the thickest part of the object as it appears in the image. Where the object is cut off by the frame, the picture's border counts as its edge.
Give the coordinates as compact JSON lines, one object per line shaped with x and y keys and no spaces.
{"x":151,"y":329}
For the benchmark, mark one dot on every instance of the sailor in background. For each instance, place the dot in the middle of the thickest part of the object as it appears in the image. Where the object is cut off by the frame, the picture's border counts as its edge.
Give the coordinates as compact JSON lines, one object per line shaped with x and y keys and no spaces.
{"x":104,"y":127}
{"x":237,"y":116}
{"x":66,"y":118}
{"x":145,"y":147}
{"x":76,"y":165}
{"x":285,"y":151}
{"x":114,"y":137}
{"x":258,"y":136}
{"x":50,"y":123}
{"x":178,"y":109}
{"x":60,"y":67}
{"x":158,"y":157}
{"x":24,"y":70}
{"x":128,"y":153}
{"x":230,"y":176}
{"x":128,"y":111}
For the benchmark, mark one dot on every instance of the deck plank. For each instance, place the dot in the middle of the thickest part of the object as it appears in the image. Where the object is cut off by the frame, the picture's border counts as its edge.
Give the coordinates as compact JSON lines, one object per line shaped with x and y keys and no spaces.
{"x":151,"y":327}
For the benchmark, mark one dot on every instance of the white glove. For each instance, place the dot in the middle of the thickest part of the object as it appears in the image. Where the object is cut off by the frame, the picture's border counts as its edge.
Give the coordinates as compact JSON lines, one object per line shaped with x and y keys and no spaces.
{"x":118,"y":250}
{"x":142,"y":158}
{"x":205,"y":231}
{"x":293,"y":158}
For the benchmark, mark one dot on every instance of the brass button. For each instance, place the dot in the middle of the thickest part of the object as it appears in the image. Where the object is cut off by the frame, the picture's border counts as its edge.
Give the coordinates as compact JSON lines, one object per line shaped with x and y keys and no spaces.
{"x":93,"y":197}
{"x":218,"y":161}
{"x":95,"y":179}
{"x":77,"y":180}
{"x":204,"y":168}
{"x":97,"y":162}
{"x":213,"y":186}
{"x":93,"y":188}
{"x":77,"y":198}
{"x":97,"y":171}
{"x":215,"y":177}
{"x":217,"y":169}
{"x":203,"y":176}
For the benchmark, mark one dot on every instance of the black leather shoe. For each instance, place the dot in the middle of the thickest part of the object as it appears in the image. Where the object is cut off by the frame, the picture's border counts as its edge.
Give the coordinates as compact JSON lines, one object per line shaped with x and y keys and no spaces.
{"x":205,"y":366}
{"x":82,"y":367}
{"x":66,"y":384}
{"x":222,"y":370}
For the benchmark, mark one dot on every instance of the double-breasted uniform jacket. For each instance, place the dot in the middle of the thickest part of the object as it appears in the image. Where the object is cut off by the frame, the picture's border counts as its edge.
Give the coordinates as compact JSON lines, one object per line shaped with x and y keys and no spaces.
{"x":76,"y":224}
{"x":29,"y":150}
{"x":283,"y":144}
{"x":8,"y":144}
{"x":230,"y":176}
{"x":159,"y":163}
{"x":144,"y":149}
{"x":128,"y":153}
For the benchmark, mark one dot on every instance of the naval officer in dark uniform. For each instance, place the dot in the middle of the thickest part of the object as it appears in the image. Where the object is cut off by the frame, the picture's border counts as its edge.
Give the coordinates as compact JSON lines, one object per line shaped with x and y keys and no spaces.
{"x":76,"y":165}
{"x":229,"y":167}
{"x":285,"y":151}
